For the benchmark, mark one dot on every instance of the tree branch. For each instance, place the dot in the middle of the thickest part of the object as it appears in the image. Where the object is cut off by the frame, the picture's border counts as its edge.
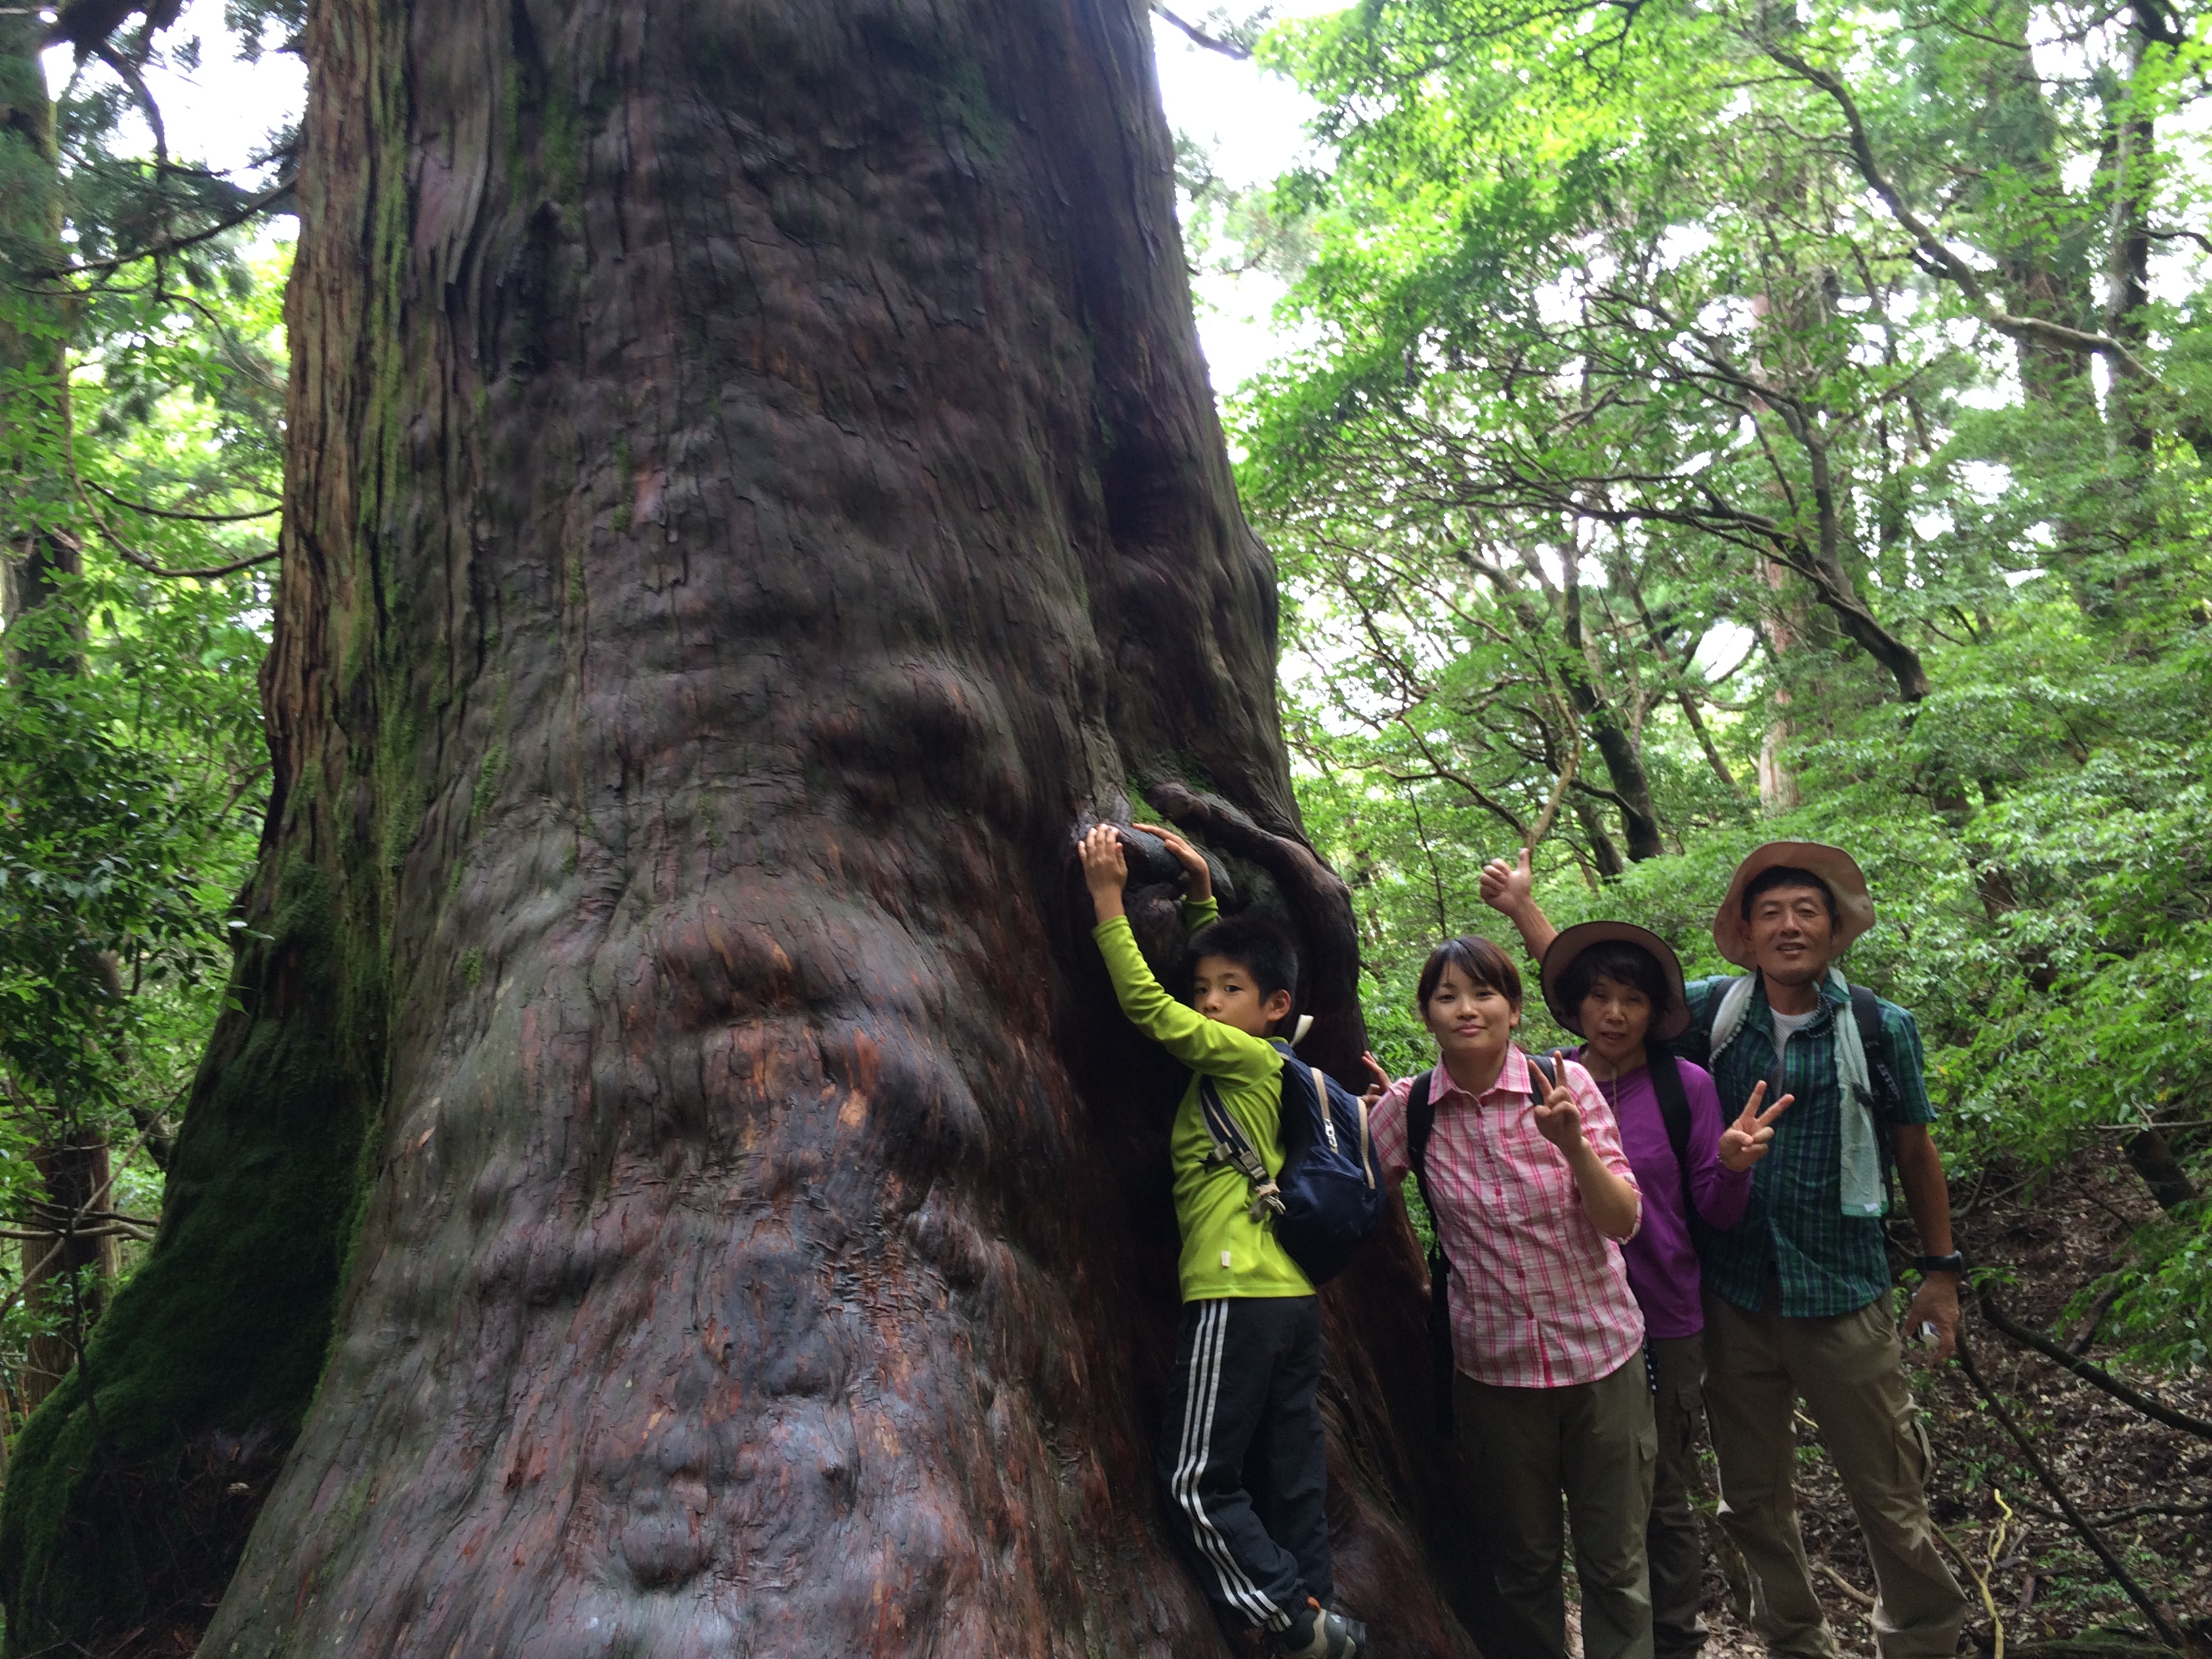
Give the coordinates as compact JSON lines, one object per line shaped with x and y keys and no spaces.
{"x":245,"y":210}
{"x":2095,"y":1376}
{"x":1932,"y":254}
{"x":153,"y":569}
{"x":179,"y":513}
{"x":2081,"y":1522}
{"x":1226,"y":47}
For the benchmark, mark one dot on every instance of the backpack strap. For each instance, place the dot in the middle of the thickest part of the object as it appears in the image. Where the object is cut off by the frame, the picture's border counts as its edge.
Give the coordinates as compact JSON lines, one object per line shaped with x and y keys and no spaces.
{"x":1695,"y":1041}
{"x":1421,"y":1122}
{"x":1675,"y":1111}
{"x":1866,"y":1010}
{"x":1232,"y":1146}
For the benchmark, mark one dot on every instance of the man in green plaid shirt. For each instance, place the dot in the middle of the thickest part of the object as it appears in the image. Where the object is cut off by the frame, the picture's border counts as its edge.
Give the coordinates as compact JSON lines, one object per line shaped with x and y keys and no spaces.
{"x":1797,"y":1302}
{"x":1794,"y":1227}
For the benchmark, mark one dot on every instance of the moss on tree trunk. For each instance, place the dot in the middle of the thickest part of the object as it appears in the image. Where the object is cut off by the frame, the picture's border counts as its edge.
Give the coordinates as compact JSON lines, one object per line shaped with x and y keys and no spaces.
{"x":753,"y":494}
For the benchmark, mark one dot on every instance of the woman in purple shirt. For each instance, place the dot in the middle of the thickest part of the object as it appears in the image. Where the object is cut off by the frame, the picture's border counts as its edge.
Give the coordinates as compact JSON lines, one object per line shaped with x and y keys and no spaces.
{"x":1619,"y":989}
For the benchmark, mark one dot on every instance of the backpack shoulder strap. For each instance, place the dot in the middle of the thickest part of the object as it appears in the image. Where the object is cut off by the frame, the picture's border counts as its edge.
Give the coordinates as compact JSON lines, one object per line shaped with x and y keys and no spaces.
{"x":1421,"y":1122}
{"x":1232,"y":1146}
{"x":1695,"y":1041}
{"x":1866,"y":1009}
{"x":1675,"y":1112}
{"x":1865,"y":1012}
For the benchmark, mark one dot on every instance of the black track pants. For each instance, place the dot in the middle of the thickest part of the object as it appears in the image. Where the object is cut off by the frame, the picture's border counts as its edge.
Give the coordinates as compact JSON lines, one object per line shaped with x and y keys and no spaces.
{"x":1242,"y":1457}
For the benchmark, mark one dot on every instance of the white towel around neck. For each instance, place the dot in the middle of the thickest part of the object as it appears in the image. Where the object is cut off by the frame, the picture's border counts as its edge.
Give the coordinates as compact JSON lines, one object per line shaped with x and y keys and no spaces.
{"x":1864,"y":1192}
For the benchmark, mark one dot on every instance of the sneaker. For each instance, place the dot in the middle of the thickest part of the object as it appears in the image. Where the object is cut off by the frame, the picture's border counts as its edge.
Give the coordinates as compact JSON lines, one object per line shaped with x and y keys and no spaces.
{"x":1318,"y":1634}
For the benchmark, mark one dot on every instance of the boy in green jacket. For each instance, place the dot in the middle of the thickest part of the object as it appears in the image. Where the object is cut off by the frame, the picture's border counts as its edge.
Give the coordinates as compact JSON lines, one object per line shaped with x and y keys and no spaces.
{"x":1241,"y":1453}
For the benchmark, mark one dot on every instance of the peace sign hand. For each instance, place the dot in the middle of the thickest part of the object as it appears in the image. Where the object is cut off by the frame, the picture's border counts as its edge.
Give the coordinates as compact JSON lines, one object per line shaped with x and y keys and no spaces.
{"x":1558,"y":1120}
{"x":1751,"y":1137}
{"x":1375,"y":1090}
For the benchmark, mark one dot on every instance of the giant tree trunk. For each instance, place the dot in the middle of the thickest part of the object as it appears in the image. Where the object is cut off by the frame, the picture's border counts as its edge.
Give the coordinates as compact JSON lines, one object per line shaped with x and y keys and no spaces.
{"x":753,"y":494}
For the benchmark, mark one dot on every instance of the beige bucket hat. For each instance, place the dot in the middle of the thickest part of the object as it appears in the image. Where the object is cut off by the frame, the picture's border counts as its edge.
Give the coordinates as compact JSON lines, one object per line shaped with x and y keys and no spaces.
{"x":1668,"y":1021}
{"x":1854,"y":907}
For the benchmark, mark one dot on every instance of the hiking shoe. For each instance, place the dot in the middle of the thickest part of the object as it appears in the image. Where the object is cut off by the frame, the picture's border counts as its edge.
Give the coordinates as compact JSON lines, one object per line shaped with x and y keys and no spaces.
{"x":1323,"y":1635}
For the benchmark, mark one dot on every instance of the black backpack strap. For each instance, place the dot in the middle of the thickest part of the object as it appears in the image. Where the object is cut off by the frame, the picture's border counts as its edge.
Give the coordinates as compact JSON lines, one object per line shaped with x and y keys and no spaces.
{"x":1675,"y":1111}
{"x":1232,"y":1146}
{"x":1866,"y":1010}
{"x":1420,"y":1123}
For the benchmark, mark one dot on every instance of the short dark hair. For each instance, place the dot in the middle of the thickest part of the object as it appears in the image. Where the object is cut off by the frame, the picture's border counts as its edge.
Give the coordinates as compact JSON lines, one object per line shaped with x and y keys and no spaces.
{"x":1253,"y":944}
{"x":1621,"y":962}
{"x":1483,"y":964}
{"x":1788,"y":875}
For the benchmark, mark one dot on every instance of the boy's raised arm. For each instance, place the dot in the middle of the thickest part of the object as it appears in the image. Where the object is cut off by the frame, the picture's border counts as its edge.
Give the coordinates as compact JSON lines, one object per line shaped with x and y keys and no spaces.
{"x":1203,"y":1045}
{"x":1105,"y":869}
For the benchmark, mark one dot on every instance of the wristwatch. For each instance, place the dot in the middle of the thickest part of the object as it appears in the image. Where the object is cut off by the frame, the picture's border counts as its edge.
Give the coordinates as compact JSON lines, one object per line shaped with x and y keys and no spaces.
{"x":1953,"y":1263}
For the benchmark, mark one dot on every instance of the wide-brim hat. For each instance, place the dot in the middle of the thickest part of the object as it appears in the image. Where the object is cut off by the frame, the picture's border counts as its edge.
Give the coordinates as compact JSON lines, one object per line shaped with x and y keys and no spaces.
{"x":1854,"y":907}
{"x":1670,"y":1021}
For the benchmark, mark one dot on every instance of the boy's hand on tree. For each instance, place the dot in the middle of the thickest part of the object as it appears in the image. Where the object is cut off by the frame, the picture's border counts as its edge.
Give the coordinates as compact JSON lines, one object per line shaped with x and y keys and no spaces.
{"x":1105,"y":869}
{"x":1198,"y":886}
{"x":1376,"y":1090}
{"x":1508,"y":887}
{"x":1751,"y":1137}
{"x":1559,"y":1119}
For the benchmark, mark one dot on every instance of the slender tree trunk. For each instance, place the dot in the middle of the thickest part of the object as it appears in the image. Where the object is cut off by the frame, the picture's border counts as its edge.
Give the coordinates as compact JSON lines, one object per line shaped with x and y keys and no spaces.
{"x":1580,"y":669}
{"x":38,"y":557}
{"x":1624,"y":761}
{"x":1780,"y":625}
{"x":753,"y":494}
{"x":74,"y":1174}
{"x":2128,"y":176}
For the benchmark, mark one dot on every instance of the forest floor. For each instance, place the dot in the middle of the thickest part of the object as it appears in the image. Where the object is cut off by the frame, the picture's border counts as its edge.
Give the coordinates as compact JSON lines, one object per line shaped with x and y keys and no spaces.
{"x":2147,"y":1487}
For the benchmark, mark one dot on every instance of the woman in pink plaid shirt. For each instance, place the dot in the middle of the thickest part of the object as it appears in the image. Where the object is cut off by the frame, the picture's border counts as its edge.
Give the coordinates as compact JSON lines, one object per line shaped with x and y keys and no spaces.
{"x":1530,"y":1193}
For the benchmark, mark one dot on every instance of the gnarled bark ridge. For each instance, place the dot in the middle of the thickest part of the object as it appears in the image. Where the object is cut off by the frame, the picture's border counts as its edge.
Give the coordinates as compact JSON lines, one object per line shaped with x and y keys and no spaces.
{"x":754,"y":492}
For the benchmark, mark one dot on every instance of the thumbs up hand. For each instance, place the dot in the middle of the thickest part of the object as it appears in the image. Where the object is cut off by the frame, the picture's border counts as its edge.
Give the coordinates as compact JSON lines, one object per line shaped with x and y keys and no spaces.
{"x":1508,"y":887}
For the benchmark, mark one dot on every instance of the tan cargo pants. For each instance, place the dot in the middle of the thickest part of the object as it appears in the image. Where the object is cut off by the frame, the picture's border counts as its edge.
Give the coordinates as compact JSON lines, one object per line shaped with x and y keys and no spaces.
{"x":1849,"y":1372}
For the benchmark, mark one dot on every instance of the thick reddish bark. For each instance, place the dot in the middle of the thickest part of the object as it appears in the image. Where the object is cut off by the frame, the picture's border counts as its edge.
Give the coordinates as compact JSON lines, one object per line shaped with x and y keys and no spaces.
{"x":754,"y":492}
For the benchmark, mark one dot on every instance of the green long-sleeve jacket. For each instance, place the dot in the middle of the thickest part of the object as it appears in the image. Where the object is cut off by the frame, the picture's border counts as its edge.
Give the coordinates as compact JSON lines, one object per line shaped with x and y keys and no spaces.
{"x":1225,"y":1252}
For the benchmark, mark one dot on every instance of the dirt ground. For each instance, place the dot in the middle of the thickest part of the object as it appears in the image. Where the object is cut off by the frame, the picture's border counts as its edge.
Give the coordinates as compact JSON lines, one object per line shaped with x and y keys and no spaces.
{"x":2146,"y":1486}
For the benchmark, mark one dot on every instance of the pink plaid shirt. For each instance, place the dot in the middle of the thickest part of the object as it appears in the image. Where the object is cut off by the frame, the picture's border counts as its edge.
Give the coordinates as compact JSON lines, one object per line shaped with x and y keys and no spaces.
{"x":1539,"y":1297}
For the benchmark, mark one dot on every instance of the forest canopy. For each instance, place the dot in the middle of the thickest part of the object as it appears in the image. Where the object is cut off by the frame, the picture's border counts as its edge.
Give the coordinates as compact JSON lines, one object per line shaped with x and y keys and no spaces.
{"x":1710,"y":424}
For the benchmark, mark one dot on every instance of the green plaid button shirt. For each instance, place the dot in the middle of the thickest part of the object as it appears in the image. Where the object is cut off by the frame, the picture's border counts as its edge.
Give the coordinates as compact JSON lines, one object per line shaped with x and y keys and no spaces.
{"x":1828,"y":1263}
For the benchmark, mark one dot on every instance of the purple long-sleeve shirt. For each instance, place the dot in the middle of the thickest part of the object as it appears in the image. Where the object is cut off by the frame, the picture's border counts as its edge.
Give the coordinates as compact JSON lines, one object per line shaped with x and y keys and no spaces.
{"x":1663,"y":1262}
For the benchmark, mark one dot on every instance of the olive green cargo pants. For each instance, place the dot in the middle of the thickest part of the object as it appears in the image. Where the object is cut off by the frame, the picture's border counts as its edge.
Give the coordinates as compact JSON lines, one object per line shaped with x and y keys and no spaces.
{"x":1595,"y":1443}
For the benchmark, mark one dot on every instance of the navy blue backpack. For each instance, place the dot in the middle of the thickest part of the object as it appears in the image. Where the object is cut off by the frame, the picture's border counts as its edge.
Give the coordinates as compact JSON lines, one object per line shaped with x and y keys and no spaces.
{"x":1328,"y":1199}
